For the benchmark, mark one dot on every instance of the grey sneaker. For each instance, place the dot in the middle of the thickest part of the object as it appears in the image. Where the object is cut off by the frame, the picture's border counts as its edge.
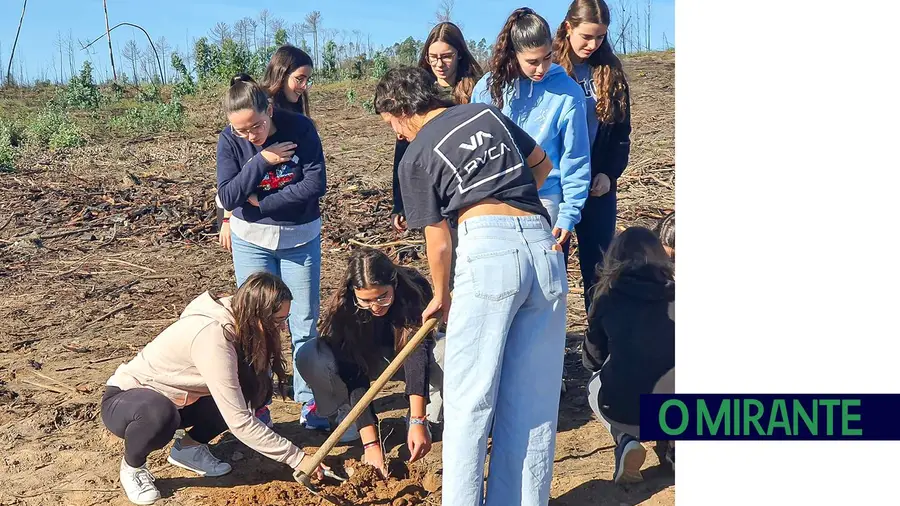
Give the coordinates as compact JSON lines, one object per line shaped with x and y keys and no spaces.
{"x":630,"y":455}
{"x":198,"y":459}
{"x":138,"y":484}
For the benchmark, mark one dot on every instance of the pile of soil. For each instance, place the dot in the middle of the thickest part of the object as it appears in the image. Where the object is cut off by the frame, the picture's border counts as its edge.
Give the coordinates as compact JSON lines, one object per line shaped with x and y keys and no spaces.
{"x":404,"y":487}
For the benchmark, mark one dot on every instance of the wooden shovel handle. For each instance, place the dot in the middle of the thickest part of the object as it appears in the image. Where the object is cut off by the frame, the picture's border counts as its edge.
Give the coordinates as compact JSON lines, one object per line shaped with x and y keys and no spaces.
{"x":310,"y":463}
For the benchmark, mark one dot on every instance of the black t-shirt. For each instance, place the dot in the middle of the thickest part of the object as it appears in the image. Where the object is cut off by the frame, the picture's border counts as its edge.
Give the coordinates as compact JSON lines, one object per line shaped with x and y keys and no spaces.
{"x":467,"y":154}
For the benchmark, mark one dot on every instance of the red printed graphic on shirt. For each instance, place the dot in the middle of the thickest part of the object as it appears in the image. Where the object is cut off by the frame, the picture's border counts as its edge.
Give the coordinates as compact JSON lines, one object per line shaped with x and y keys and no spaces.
{"x":278,"y":178}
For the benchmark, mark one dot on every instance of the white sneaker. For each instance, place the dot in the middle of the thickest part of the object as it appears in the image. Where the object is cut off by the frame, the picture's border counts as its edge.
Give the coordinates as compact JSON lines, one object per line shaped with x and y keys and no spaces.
{"x":197,"y":459}
{"x":138,"y":484}
{"x":352,"y":432}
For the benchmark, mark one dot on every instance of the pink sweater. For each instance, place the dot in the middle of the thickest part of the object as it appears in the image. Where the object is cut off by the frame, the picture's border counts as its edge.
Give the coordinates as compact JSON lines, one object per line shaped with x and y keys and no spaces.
{"x":193,"y":358}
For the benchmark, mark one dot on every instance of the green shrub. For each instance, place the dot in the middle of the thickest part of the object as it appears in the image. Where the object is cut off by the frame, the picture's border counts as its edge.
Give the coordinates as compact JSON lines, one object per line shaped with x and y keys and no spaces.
{"x":379,"y":65}
{"x":54,"y":128}
{"x":82,"y":93}
{"x":9,"y":139}
{"x":351,"y":96}
{"x":149,"y":93}
{"x":151,"y":118}
{"x":185,"y":86}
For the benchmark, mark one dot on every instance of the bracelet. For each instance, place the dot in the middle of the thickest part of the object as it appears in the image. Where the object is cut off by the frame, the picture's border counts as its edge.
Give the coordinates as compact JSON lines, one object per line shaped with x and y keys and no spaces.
{"x":540,"y":162}
{"x":366,"y":446}
{"x":418,"y":420}
{"x":225,"y":220}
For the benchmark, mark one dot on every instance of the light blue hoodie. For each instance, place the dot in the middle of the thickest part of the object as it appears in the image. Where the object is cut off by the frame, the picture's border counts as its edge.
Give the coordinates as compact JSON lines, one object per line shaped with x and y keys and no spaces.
{"x":552,"y":112}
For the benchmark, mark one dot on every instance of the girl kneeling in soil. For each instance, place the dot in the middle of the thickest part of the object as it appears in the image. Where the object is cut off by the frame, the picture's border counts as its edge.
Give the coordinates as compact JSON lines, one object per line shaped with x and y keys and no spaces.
{"x":377,"y":308}
{"x":506,"y":330}
{"x":630,"y":342}
{"x":271,"y":174}
{"x":207,"y":371}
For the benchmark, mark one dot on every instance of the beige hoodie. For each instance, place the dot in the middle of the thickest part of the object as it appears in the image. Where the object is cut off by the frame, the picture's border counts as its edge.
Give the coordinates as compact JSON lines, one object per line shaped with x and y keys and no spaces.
{"x":193,"y":358}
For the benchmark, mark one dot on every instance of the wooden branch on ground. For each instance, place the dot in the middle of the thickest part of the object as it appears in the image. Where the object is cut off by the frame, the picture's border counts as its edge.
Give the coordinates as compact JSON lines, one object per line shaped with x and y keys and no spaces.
{"x":45,"y":387}
{"x":60,"y":383}
{"x":110,"y":313}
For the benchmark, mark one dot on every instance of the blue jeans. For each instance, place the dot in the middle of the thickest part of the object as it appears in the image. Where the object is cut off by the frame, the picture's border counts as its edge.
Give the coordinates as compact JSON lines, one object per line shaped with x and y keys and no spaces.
{"x":300,"y":269}
{"x":503,"y":359}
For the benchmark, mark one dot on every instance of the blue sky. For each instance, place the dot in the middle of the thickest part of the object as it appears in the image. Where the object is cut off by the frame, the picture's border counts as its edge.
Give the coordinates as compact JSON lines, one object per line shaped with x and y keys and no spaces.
{"x":181,"y":21}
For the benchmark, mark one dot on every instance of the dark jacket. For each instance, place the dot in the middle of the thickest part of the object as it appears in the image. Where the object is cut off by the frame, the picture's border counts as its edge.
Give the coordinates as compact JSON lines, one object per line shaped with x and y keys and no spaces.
{"x":415,"y":368}
{"x":288,"y":193}
{"x":612,"y":146}
{"x":634,"y":326}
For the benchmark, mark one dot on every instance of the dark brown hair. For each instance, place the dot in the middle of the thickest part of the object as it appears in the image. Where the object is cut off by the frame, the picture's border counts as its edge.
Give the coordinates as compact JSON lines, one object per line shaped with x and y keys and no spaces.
{"x":256,"y":337}
{"x":346,"y":327}
{"x":283,"y":63}
{"x":468,"y":71}
{"x":633,"y":248}
{"x":524,"y":30}
{"x":245,"y":93}
{"x":610,"y":84}
{"x":408,"y":91}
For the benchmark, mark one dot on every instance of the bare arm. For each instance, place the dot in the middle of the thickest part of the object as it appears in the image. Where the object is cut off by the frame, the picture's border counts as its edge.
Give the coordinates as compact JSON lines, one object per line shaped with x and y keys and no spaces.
{"x":438,"y":249}
{"x":540,"y":165}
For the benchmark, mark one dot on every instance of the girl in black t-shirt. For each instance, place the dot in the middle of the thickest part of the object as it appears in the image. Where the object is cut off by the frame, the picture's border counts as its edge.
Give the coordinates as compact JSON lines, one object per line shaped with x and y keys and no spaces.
{"x":506,"y":327}
{"x":375,"y":310}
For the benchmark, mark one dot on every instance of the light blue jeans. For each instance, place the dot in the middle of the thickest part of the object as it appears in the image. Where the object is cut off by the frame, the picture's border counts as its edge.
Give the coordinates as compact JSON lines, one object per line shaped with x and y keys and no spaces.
{"x":503,"y":359}
{"x":300,"y":269}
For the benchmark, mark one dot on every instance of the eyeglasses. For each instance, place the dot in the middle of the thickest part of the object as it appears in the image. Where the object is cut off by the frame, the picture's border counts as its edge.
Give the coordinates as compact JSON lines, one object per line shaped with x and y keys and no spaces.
{"x":384,"y":300}
{"x":303,"y":81}
{"x":446,"y":59}
{"x":257,"y":128}
{"x":280,"y":321}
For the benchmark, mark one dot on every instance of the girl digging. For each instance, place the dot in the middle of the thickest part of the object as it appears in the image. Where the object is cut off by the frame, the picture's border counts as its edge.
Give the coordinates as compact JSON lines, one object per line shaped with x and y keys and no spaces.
{"x":630,"y":342}
{"x":582,"y":48}
{"x":367,"y":322}
{"x":271,"y":175}
{"x":506,"y":329}
{"x":539,"y":97}
{"x":207,"y":371}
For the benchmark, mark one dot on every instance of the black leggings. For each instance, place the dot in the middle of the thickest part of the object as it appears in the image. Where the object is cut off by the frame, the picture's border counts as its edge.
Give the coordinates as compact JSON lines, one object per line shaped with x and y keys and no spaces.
{"x":147,"y":420}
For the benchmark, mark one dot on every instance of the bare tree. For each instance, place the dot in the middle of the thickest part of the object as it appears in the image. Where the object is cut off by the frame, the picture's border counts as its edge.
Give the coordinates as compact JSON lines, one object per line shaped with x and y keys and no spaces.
{"x":240,"y":32}
{"x":313,"y":24}
{"x":264,"y":17}
{"x":112,"y":60}
{"x":60,"y":45}
{"x":275,"y":24}
{"x":649,"y":13}
{"x":162,"y":45}
{"x":70,"y":52}
{"x":220,"y":33}
{"x":297,"y":34}
{"x":251,"y":31}
{"x":444,"y":11}
{"x":133,"y":54}
{"x":624,"y":25}
{"x":12,"y":53}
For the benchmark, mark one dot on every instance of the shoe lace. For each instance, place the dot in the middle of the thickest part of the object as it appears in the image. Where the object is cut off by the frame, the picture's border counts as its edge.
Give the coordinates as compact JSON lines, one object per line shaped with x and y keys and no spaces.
{"x":144,"y":479}
{"x":204,"y":455}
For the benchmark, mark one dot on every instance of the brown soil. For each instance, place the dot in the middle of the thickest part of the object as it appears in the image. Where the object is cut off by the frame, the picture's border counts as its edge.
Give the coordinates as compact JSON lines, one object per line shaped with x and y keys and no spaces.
{"x":101,"y":247}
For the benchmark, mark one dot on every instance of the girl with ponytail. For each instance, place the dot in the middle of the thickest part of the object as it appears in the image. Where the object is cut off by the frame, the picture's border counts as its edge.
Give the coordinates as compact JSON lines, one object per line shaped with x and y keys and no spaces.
{"x":582,"y":48}
{"x":547,"y":104}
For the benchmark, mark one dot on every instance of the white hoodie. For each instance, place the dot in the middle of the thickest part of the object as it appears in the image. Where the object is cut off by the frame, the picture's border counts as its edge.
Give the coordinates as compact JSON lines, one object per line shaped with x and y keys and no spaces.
{"x":194,"y":358}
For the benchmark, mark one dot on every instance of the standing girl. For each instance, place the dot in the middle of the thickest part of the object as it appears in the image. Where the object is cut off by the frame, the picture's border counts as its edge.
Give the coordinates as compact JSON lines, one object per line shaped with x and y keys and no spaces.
{"x":539,"y":97}
{"x":271,"y":175}
{"x":446,"y":55}
{"x":287,"y":80}
{"x":582,"y":48}
{"x":506,"y":330}
{"x":367,"y":322}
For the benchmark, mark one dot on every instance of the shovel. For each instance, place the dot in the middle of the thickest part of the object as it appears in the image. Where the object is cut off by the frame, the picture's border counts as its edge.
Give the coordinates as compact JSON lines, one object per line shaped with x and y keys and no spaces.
{"x":309,"y":464}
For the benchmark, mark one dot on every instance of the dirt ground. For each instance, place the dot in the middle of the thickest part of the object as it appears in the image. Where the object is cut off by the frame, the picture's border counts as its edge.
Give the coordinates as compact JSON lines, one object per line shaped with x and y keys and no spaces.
{"x":101,"y":247}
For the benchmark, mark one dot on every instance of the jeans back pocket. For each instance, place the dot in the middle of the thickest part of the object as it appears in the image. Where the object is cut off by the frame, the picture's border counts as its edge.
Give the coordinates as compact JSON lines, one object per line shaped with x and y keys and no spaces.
{"x":557,"y":280}
{"x":495,"y":274}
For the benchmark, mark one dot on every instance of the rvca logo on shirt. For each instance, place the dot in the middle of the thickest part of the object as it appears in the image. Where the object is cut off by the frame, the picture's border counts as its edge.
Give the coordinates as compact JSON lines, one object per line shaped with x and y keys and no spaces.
{"x":479,"y":150}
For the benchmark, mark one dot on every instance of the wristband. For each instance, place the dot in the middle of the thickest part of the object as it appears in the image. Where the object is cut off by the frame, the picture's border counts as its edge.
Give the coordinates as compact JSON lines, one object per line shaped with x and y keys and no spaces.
{"x":366,"y":446}
{"x":418,"y":420}
{"x":225,"y":220}
{"x":540,"y":162}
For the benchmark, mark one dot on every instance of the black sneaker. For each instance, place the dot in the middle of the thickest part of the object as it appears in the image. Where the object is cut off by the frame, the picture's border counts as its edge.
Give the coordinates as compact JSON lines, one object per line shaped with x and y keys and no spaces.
{"x":630,"y":455}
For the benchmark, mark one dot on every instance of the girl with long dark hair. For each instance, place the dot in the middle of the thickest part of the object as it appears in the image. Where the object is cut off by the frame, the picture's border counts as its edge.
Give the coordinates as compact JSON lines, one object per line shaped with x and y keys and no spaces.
{"x":208,"y":371}
{"x":369,"y":319}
